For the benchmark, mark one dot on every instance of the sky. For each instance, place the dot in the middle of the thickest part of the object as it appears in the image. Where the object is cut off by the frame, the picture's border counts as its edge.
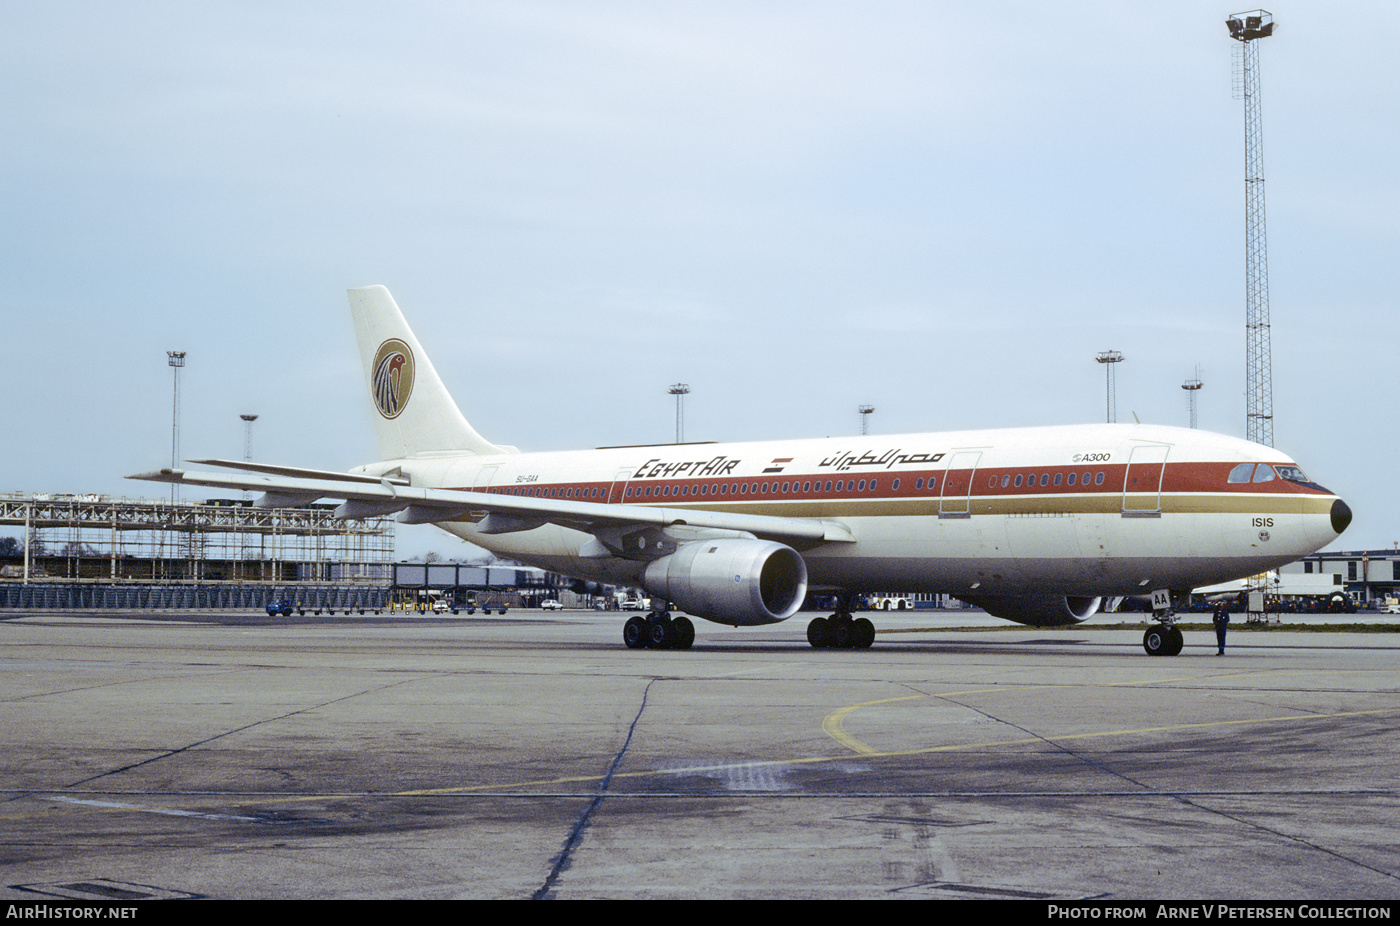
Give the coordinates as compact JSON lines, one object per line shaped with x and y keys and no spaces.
{"x":941,"y":209}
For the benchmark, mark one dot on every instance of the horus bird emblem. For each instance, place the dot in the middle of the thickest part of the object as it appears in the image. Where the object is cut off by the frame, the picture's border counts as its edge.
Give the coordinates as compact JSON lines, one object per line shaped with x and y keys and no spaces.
{"x":388,"y":384}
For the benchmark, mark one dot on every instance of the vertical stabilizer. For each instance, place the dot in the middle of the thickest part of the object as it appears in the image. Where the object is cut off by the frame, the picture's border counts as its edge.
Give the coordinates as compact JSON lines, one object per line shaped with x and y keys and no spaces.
{"x":413,"y":411}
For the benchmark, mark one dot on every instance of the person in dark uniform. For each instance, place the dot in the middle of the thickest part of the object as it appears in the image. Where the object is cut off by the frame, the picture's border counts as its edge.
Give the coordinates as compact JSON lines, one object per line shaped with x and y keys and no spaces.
{"x":1222,"y":623}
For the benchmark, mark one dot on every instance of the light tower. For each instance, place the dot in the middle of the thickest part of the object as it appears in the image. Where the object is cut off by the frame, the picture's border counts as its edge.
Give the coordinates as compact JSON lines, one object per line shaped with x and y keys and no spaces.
{"x":1247,"y":29}
{"x":248,"y":445}
{"x":176,"y":361}
{"x":1193,"y":386}
{"x":680,"y":391}
{"x":1108,"y":358}
{"x":865,"y":412}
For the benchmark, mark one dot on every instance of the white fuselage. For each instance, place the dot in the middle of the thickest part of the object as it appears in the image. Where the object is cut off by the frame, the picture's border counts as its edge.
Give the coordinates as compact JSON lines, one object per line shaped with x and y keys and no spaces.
{"x":1074,"y":510}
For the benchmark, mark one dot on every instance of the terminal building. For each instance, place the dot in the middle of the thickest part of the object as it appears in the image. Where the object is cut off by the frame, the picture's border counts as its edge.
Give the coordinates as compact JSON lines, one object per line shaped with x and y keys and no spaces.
{"x":1368,"y":577}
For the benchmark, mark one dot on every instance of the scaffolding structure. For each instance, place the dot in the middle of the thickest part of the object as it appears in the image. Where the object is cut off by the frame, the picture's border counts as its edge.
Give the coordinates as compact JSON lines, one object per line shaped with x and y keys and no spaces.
{"x":94,"y":539}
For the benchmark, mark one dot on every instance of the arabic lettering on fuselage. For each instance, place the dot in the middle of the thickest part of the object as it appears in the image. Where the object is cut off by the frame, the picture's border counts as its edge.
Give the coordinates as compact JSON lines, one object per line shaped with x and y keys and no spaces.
{"x":889,"y":459}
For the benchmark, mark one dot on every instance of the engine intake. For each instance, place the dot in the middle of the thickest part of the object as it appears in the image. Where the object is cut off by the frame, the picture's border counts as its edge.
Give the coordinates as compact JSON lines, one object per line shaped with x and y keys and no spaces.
{"x":737,"y":582}
{"x":1037,"y":610}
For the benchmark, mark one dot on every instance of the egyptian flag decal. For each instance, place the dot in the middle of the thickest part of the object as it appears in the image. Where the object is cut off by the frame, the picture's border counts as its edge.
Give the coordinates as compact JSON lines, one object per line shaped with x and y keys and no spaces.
{"x":777,"y":465}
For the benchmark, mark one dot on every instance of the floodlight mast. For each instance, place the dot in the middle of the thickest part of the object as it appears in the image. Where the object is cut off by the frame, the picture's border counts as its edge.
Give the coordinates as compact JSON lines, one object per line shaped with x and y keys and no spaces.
{"x":865,"y":412}
{"x":680,"y":391}
{"x":1108,"y":358}
{"x":1247,"y":28}
{"x":1193,"y":386}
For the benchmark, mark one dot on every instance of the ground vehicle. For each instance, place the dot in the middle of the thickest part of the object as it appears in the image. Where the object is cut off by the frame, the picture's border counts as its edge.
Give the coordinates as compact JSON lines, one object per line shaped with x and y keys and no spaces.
{"x":891,"y":603}
{"x":549,"y":604}
{"x":635,"y":603}
{"x":281,"y":607}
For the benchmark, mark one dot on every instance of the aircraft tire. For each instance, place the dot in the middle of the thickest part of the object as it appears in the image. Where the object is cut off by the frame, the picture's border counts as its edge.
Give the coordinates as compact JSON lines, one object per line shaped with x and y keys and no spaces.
{"x":864,"y":633}
{"x":1155,"y":641}
{"x":819,"y":632}
{"x":634,"y":633}
{"x":684,"y":632}
{"x":843,"y":634}
{"x":1174,"y":641}
{"x":660,"y":635}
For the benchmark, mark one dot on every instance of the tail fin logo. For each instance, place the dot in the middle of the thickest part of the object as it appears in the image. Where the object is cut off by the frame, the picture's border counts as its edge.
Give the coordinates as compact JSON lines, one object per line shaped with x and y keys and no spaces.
{"x":393,"y":377}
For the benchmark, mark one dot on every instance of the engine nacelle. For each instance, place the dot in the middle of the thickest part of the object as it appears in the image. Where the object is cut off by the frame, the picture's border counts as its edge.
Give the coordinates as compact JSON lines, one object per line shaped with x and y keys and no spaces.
{"x":733,"y":581}
{"x":1037,"y":610}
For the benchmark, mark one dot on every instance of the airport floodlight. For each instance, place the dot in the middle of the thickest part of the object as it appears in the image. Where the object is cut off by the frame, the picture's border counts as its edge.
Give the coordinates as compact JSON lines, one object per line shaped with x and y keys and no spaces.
{"x":865,"y":412}
{"x":680,"y":391}
{"x":175,"y":359}
{"x":1245,"y":28}
{"x":1108,"y":358}
{"x":1193,"y":386}
{"x":248,"y":445}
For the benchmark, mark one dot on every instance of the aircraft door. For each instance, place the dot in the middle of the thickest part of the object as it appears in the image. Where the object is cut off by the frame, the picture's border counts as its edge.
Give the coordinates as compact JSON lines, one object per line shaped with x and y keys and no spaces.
{"x":955,"y":500}
{"x":618,"y":493}
{"x":484,"y":477}
{"x":1142,"y":482}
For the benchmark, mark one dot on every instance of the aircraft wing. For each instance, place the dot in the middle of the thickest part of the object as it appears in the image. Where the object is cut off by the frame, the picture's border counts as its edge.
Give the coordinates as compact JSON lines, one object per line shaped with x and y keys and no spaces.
{"x":611,"y":525}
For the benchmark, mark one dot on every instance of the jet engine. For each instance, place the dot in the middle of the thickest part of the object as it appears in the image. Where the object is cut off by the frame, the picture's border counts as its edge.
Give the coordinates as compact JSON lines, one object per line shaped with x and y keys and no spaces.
{"x":731,"y":581}
{"x":1037,"y":610}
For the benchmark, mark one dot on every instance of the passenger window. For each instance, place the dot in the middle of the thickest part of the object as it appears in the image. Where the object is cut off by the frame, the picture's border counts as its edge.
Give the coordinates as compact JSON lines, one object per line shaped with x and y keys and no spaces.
{"x":1045,"y":479}
{"x":1059,"y":477}
{"x":1098,"y":479}
{"x":1241,"y":473}
{"x":1071,"y":479}
{"x":1265,"y":473}
{"x":1005,"y":481}
{"x":895,"y":487}
{"x":918,"y":483}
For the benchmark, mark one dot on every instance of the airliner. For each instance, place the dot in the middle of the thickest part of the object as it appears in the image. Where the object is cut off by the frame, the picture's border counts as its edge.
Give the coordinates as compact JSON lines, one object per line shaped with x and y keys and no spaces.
{"x":1034,"y":525}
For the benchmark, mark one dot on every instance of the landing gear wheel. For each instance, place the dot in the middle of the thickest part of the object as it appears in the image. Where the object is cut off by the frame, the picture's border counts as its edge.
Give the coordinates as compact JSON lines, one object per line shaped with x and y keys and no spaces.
{"x":1161,"y":641}
{"x":634,"y":633}
{"x":842,"y":633}
{"x":659,"y":633}
{"x":684,"y":632}
{"x":819,"y":632}
{"x":864,"y":632}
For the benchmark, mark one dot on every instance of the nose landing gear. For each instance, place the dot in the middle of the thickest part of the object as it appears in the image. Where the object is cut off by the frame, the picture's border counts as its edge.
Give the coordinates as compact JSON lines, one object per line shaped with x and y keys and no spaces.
{"x":1165,"y":639}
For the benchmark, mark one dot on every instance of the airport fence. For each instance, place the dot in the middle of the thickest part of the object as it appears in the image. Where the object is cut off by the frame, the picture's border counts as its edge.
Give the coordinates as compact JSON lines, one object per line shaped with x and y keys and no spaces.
{"x":62,"y":597}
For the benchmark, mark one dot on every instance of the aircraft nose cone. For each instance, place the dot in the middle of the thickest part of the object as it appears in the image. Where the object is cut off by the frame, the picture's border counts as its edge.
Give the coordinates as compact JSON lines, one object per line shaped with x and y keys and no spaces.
{"x":1341,"y":516}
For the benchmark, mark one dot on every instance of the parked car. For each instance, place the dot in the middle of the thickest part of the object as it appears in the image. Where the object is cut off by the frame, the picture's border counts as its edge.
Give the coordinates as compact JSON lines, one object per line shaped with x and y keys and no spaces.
{"x":549,"y":604}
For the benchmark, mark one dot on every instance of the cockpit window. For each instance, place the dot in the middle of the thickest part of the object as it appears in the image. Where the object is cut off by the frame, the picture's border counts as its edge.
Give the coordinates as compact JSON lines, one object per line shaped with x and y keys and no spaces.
{"x":1242,"y":472}
{"x":1292,"y":474}
{"x":1265,"y":473}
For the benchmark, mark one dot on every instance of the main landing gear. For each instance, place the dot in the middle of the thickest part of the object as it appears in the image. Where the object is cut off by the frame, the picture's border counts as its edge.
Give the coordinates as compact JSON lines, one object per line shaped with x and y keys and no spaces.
{"x":840,"y":630}
{"x":658,"y":630}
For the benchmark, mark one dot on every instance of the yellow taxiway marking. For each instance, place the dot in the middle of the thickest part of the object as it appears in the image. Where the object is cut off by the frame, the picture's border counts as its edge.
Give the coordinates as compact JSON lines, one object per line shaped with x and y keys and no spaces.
{"x":833,"y":725}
